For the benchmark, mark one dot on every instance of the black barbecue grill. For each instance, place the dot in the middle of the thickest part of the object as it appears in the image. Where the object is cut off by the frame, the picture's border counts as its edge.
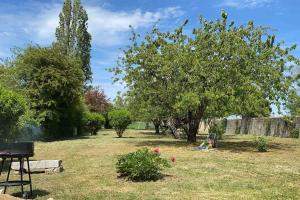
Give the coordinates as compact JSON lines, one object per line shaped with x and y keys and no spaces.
{"x":20,"y":151}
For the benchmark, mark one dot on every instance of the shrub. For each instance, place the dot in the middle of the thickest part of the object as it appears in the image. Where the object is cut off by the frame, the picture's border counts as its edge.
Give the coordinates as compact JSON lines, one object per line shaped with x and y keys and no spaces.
{"x":93,"y":122}
{"x":119,"y":120}
{"x":12,"y":107}
{"x":218,"y":129}
{"x":261,"y":144}
{"x":142,"y":165}
{"x":294,"y":129}
{"x":295,"y":132}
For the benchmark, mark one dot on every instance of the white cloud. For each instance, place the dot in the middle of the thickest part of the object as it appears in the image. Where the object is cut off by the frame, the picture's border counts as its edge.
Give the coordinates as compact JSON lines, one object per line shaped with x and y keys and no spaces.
{"x":28,"y":26}
{"x":245,"y":3}
{"x":45,"y":23}
{"x":107,"y":27}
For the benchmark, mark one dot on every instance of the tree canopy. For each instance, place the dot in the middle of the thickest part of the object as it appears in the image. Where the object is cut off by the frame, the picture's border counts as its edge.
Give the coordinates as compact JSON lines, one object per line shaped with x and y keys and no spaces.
{"x":54,"y":84}
{"x":96,"y":100}
{"x":220,"y":69}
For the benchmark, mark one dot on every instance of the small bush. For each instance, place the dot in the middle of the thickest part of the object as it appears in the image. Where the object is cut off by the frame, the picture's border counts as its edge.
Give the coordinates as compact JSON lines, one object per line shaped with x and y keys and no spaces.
{"x":295,"y":132}
{"x":142,"y":165}
{"x":93,"y":122}
{"x":261,"y":144}
{"x":218,"y":129}
{"x":119,"y":120}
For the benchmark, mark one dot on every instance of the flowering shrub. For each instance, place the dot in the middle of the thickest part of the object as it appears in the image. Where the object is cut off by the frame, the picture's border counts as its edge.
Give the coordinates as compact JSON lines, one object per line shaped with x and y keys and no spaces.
{"x":142,"y":165}
{"x":157,"y":150}
{"x":173,"y":158}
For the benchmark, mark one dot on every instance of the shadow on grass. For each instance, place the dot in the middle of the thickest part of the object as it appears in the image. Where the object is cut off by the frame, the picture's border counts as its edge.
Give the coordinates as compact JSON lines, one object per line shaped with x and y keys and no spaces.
{"x":84,"y":137}
{"x":155,"y":143}
{"x":247,"y":146}
{"x":70,"y":138}
{"x":152,"y":134}
{"x":236,"y":146}
{"x":36,"y":193}
{"x":167,"y":140}
{"x":234,"y":137}
{"x":154,"y":179}
{"x":123,"y":137}
{"x":168,"y":135}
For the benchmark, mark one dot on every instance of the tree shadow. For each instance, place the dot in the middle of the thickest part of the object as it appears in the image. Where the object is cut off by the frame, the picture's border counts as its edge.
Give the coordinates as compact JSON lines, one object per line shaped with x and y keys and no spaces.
{"x":233,"y":137}
{"x":236,"y":146}
{"x":167,"y":140}
{"x":36,"y":194}
{"x":155,"y":143}
{"x":149,"y":134}
{"x":152,"y":134}
{"x":247,"y":146}
{"x":84,"y":137}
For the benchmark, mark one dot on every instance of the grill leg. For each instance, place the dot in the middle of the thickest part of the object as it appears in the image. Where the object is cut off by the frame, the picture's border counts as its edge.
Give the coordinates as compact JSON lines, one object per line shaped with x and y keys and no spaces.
{"x":28,"y":168}
{"x":21,"y":171}
{"x":2,"y":163}
{"x":7,"y":178}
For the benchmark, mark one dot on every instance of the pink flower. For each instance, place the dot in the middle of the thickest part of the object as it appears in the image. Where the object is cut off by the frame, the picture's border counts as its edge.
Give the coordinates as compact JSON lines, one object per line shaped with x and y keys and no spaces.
{"x":173,"y":158}
{"x":156,"y":150}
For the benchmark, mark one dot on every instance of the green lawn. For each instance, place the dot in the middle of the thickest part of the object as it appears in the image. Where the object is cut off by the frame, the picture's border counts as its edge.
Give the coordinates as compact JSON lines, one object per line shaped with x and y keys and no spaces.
{"x":233,"y":171}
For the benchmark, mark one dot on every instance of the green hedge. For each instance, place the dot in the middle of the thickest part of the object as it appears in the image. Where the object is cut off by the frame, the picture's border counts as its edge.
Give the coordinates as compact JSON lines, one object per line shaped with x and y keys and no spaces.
{"x":12,"y":108}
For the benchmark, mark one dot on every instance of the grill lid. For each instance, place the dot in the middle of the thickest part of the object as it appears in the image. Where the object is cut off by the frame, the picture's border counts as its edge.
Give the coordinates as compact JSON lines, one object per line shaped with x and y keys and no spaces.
{"x":17,"y":149}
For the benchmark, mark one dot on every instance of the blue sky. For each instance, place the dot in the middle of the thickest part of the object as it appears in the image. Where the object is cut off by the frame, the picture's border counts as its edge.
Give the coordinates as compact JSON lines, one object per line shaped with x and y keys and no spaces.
{"x":34,"y":21}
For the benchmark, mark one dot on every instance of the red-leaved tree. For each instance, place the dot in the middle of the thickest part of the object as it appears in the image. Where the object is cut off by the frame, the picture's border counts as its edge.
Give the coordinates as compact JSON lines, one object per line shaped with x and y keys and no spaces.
{"x":96,"y":100}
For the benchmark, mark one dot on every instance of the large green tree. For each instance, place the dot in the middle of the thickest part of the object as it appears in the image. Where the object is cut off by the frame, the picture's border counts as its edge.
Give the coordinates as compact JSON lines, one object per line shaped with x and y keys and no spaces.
{"x":72,"y":35}
{"x":54,"y":84}
{"x":216,"y":71}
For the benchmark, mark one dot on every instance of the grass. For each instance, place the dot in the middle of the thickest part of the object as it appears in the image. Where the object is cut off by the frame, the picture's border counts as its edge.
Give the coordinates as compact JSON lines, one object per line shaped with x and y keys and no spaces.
{"x":236,"y":170}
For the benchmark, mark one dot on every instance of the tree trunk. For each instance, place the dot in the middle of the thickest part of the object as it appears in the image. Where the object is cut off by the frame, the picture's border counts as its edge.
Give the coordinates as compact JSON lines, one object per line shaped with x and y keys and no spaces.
{"x":192,"y":130}
{"x":173,"y":125}
{"x":193,"y":122}
{"x":156,"y":125}
{"x":191,"y":126}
